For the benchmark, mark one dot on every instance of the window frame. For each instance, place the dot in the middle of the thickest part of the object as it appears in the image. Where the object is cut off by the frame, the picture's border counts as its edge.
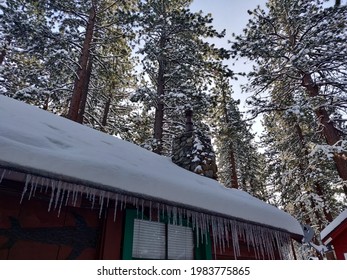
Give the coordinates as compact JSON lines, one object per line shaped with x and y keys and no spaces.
{"x":201,"y":252}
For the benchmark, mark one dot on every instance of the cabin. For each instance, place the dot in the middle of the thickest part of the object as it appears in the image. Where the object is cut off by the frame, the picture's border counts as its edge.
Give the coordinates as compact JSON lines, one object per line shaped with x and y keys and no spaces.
{"x":70,"y":192}
{"x":335,"y":236}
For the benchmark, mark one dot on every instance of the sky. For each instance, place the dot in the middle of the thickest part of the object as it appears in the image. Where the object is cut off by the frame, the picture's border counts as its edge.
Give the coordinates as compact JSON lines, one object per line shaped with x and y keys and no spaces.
{"x":228,"y":14}
{"x":232,"y":16}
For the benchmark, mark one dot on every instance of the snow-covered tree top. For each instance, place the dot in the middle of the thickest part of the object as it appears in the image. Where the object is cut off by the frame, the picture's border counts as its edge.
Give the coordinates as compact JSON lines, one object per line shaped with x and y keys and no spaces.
{"x":44,"y":144}
{"x":334,"y":224}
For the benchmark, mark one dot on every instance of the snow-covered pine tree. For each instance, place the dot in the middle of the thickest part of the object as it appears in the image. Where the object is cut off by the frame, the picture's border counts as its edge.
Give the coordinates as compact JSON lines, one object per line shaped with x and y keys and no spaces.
{"x":107,"y":105}
{"x":26,"y":62}
{"x":240,"y":165}
{"x":301,"y":184}
{"x":298,"y":83}
{"x":301,"y":44}
{"x":92,"y":19}
{"x":43,"y":59}
{"x":175,"y":59}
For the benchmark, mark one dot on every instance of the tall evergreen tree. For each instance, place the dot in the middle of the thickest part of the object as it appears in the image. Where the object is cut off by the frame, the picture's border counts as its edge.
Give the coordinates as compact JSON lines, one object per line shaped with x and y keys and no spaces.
{"x":303,"y":182}
{"x":239,"y":162}
{"x":300,"y":44}
{"x":298,"y":83}
{"x":67,"y":56}
{"x":175,"y":59}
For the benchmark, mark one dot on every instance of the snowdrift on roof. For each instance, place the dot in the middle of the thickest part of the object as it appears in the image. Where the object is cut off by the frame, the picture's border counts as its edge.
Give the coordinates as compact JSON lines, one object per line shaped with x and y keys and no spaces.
{"x":37,"y":141}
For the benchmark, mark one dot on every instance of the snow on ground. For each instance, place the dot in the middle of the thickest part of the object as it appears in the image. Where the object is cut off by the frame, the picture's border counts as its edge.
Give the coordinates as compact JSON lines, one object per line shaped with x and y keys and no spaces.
{"x":334,"y":224}
{"x":40,"y":142}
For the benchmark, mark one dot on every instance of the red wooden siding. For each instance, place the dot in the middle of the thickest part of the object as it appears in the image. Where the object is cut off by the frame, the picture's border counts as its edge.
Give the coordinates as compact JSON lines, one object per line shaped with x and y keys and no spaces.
{"x":247,"y":253}
{"x":77,"y":233}
{"x":339,"y":240}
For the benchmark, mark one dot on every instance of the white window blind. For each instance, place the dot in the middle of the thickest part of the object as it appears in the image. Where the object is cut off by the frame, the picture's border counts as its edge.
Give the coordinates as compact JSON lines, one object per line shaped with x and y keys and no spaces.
{"x":180,"y":243}
{"x":150,"y":241}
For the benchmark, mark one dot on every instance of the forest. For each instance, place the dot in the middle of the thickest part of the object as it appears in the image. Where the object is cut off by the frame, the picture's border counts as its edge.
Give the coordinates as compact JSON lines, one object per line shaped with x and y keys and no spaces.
{"x":132,"y":68}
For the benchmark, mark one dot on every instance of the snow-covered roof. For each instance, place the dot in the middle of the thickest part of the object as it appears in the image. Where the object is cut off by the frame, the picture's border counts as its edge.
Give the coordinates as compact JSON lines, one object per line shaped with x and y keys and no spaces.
{"x":334,"y":224}
{"x":41,"y":143}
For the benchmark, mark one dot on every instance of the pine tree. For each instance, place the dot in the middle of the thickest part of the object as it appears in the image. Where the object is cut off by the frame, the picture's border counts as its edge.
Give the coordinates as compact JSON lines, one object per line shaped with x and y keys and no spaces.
{"x":301,"y":179}
{"x":301,"y":46}
{"x":65,"y":49}
{"x":239,"y":162}
{"x":299,"y":85}
{"x":26,"y":35}
{"x":175,"y":59}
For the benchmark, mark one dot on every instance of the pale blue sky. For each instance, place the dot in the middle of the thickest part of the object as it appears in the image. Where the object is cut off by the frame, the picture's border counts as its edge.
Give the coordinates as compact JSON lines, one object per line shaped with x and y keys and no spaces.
{"x":230,"y":15}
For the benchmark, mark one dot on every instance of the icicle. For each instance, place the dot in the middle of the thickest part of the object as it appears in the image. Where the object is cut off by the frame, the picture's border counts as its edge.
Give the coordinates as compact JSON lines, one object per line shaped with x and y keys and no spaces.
{"x":27,"y":180}
{"x":108,"y":199}
{"x":124,"y":200}
{"x":213,"y":226}
{"x":67,"y":197}
{"x":168,"y":213}
{"x":57,"y":195}
{"x":180,"y":218}
{"x":115,"y":208}
{"x":226,"y":233}
{"x":92,"y":197}
{"x":2,"y":175}
{"x":233,"y":232}
{"x":101,"y":202}
{"x":36,"y":185}
{"x":31,"y":187}
{"x":163,"y":210}
{"x":200,"y":226}
{"x":52,"y":195}
{"x":43,"y":179}
{"x":61,"y":201}
{"x":75,"y":192}
{"x":174,"y":215}
{"x":150,"y":210}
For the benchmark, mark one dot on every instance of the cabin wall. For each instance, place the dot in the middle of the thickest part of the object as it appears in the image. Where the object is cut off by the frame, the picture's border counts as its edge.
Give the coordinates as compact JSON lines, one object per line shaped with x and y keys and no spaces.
{"x":247,"y":252}
{"x":76,"y":231}
{"x":29,"y":231}
{"x":340,"y":242}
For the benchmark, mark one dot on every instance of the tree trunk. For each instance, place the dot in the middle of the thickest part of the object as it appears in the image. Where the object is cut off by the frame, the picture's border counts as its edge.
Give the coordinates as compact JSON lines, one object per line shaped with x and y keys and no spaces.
{"x":81,"y":79}
{"x":234,"y":182}
{"x":45,"y":106}
{"x":2,"y":56}
{"x":85,"y":91}
{"x":3,"y":51}
{"x":159,"y":110}
{"x":106,"y":110}
{"x":233,"y":175}
{"x":330,"y":133}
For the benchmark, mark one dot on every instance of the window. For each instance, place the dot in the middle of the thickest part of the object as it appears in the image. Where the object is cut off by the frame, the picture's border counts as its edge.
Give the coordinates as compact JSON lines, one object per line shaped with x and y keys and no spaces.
{"x":154,"y":240}
{"x":145,"y":239}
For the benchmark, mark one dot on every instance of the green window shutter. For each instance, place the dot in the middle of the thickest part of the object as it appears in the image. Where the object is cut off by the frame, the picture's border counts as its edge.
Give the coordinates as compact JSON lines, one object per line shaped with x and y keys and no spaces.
{"x":204,"y":250}
{"x":130,"y":216}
